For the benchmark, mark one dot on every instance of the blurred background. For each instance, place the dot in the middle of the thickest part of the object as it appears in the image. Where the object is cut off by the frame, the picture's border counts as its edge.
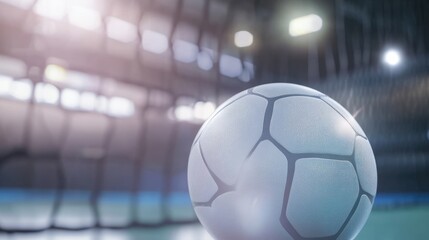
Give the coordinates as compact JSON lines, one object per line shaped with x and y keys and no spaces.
{"x":100,"y":102}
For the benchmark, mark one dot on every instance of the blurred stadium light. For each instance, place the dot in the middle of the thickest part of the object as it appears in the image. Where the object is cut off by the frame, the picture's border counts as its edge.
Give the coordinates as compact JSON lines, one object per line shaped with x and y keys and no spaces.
{"x":55,"y":9}
{"x":102,"y":104}
{"x":55,"y":73}
{"x":46,"y":93}
{"x":21,"y":89}
{"x":84,"y":18}
{"x":154,"y":42}
{"x":305,"y":25}
{"x":5,"y":85}
{"x":120,"y":107}
{"x":392,"y":57}
{"x":203,"y":110}
{"x":243,"y":39}
{"x":88,"y":101}
{"x":190,"y":111}
{"x":70,"y":98}
{"x":184,"y":113}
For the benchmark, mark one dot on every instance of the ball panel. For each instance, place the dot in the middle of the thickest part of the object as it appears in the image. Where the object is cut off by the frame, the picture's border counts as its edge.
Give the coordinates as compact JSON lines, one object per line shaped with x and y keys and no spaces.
{"x":352,"y":121}
{"x":261,"y":188}
{"x":309,"y":125}
{"x":201,"y":185}
{"x":231,"y":134}
{"x":265,"y":170}
{"x":358,"y":220}
{"x":365,"y":165}
{"x":281,"y":89}
{"x":322,"y":195}
{"x":222,"y":220}
{"x":241,"y":215}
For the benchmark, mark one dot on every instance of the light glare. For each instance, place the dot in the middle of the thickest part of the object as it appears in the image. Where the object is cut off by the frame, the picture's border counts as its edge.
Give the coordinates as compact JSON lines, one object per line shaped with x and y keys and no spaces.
{"x":184,"y":113}
{"x":243,"y":39}
{"x":47,"y":93}
{"x":55,"y":73}
{"x":392,"y":57}
{"x":5,"y":85}
{"x":203,"y":110}
{"x":305,"y":25}
{"x":102,"y":104}
{"x":84,"y":18}
{"x":21,"y":90}
{"x":55,"y":9}
{"x":70,"y":98}
{"x":121,"y":107}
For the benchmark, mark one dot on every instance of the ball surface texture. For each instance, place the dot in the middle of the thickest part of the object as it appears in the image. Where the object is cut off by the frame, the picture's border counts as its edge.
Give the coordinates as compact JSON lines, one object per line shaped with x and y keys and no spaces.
{"x":282,"y":161}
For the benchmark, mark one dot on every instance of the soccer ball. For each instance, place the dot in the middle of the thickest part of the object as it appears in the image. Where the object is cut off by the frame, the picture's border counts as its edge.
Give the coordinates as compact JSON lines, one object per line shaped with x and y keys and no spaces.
{"x":282,"y":161}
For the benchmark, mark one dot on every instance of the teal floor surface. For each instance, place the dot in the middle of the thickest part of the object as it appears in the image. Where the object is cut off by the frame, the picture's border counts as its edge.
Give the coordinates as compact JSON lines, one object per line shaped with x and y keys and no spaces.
{"x":407,"y":221}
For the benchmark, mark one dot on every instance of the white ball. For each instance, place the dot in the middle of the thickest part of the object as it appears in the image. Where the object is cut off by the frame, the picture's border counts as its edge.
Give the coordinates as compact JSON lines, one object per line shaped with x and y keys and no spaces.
{"x":282,"y":161}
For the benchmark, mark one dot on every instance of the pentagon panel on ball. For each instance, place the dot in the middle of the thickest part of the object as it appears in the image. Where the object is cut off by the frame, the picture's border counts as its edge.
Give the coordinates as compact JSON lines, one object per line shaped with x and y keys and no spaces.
{"x":282,"y":161}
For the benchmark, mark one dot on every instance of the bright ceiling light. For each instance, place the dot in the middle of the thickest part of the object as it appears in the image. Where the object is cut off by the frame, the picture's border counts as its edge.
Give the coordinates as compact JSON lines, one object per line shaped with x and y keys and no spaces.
{"x":21,"y":90}
{"x":243,"y":39}
{"x":102,"y":104}
{"x":184,"y":113}
{"x":70,"y":98}
{"x":121,"y":107}
{"x":154,"y":42}
{"x":88,"y":101}
{"x":47,"y":93}
{"x":392,"y":57}
{"x":55,"y":9}
{"x":55,"y":73}
{"x":121,"y":30}
{"x":203,"y":110}
{"x":84,"y":18}
{"x":305,"y":25}
{"x":5,"y":84}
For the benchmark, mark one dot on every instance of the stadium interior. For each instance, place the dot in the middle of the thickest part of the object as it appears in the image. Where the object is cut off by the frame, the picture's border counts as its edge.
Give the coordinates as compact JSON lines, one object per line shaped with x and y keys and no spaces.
{"x":100,"y":101}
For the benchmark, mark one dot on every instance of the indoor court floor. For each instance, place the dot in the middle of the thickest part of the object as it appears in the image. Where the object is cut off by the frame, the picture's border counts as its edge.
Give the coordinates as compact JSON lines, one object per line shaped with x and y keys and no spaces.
{"x":394,"y":217}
